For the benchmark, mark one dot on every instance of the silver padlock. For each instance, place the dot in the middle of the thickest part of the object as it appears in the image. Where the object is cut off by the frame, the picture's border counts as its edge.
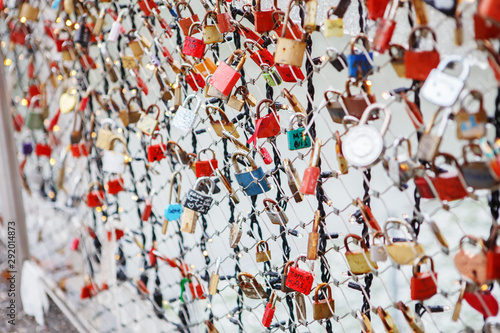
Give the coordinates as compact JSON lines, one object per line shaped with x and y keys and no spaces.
{"x":378,"y":252}
{"x":235,"y":231}
{"x":275,"y":213}
{"x":363,"y":144}
{"x":429,"y":143}
{"x":401,"y":167}
{"x":112,"y":161}
{"x":443,"y":89}
{"x":185,"y":118}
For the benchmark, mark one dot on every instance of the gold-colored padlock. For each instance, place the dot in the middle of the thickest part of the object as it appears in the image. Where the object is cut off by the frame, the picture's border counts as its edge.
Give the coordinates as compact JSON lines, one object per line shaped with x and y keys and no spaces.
{"x":211,"y":33}
{"x":290,"y":51}
{"x":28,"y":13}
{"x":313,"y":241}
{"x":206,"y":67}
{"x":333,"y":27}
{"x":403,"y":253}
{"x":263,"y":254}
{"x":294,"y":102}
{"x":310,"y":19}
{"x":325,"y":308}
{"x":189,"y":218}
{"x":105,"y":135}
{"x":397,"y":54}
{"x":359,"y":260}
{"x":389,"y":323}
{"x":214,"y":279}
{"x":294,"y":181}
{"x":149,"y":124}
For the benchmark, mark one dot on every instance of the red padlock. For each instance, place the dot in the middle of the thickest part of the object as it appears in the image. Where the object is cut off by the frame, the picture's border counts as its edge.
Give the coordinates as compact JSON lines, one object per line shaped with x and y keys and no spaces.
{"x":493,"y":255}
{"x":193,"y":46}
{"x":368,"y":216}
{"x":79,"y":149}
{"x":115,"y":186}
{"x":423,"y":285}
{"x":484,"y":29}
{"x":449,"y":185}
{"x":205,"y":168}
{"x":265,"y":155}
{"x":225,"y":77}
{"x":43,"y":149}
{"x":385,"y":29}
{"x":157,"y":151}
{"x":311,"y":174}
{"x":95,"y":198}
{"x":483,"y":302}
{"x":268,"y":126}
{"x":147,"y":210}
{"x":376,"y":8}
{"x":490,"y":10}
{"x":75,"y":243}
{"x":262,"y":55}
{"x":193,"y":77}
{"x":269,"y":311}
{"x":118,"y":234}
{"x":263,"y":18}
{"x":224,"y":20}
{"x":290,"y":73}
{"x":294,"y":31}
{"x":425,"y":187}
{"x":419,"y":64}
{"x":195,"y":287}
{"x":18,"y":121}
{"x":185,"y":23}
{"x":147,"y":6}
{"x":249,"y":34}
{"x":298,"y":279}
{"x":18,"y":32}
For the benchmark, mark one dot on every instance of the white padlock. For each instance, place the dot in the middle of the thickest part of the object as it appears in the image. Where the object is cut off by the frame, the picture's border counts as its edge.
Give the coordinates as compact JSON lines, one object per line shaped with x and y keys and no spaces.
{"x":146,"y":123}
{"x":112,"y":161}
{"x":185,"y":118}
{"x":378,"y":252}
{"x":443,"y":89}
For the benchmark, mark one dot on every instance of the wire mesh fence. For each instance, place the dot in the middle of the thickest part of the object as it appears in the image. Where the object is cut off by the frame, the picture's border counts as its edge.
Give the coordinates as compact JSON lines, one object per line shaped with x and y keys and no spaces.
{"x":106,"y":164}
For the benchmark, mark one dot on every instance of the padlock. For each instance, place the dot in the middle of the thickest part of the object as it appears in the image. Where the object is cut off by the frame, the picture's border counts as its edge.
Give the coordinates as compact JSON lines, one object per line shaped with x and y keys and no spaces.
{"x":34,"y":120}
{"x":186,"y":22}
{"x":313,"y":240}
{"x":356,"y":104}
{"x":28,"y":12}
{"x":149,"y":124}
{"x":323,"y":308}
{"x":174,"y":210}
{"x":208,"y":167}
{"x":211,"y":33}
{"x":483,"y":302}
{"x":223,"y":124}
{"x":333,"y":27}
{"x":95,"y":198}
{"x":298,"y":138}
{"x":130,"y":116}
{"x":270,"y":310}
{"x":397,"y":54}
{"x":235,"y":103}
{"x":420,"y":8}
{"x":211,"y":327}
{"x":82,"y":36}
{"x":193,"y":46}
{"x":385,"y":28}
{"x":291,"y":29}
{"x":294,"y":102}
{"x":334,"y":106}
{"x":367,"y":214}
{"x":425,"y":186}
{"x":235,"y":231}
{"x":135,"y":44}
{"x":178,"y":154}
{"x":310,"y":17}
{"x":224,"y":19}
{"x":449,"y":184}
{"x":388,"y":322}
{"x":195,"y":287}
{"x":67,"y":101}
{"x":378,"y":252}
{"x":148,"y":208}
{"x":156,"y":152}
{"x":113,"y":162}
{"x":298,"y":279}
{"x":294,"y":181}
{"x":211,"y":91}
{"x":477,"y":174}
{"x":18,"y":33}
{"x":472,"y":264}
{"x":359,"y":260}
{"x":404,"y":252}
{"x":489,"y":10}
{"x":443,"y":89}
{"x":250,"y":287}
{"x":261,"y":56}
{"x":343,"y":164}
{"x":271,"y":75}
{"x":185,"y":118}
{"x":43,"y":149}
{"x":485,"y":29}
{"x":206,"y":67}
{"x":275,"y":213}
{"x":27,"y":148}
{"x":376,"y":8}
{"x":363,"y":145}
{"x":284,"y":276}
{"x":423,"y":285}
{"x":411,"y":318}
{"x":289,"y":73}
{"x":263,"y":254}
{"x":290,"y":51}
{"x":419,"y":63}
{"x":115,"y":186}
{"x":492,"y":255}
{"x":214,"y":279}
{"x":429,"y":143}
{"x":224,"y":181}
{"x":360,"y":65}
{"x":300,"y":308}
{"x":225,"y":77}
{"x":194,"y":79}
{"x":263,"y":18}
{"x":198,"y":201}
{"x":147,"y":6}
{"x":117,"y":27}
{"x":401,"y":167}
{"x":311,"y":174}
{"x":264,"y":153}
{"x":252,"y":179}
{"x":470,"y":125}
{"x":267,"y":126}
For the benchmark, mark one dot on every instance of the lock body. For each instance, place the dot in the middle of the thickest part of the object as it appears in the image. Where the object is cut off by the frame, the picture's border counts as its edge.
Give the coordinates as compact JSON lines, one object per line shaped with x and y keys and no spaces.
{"x":360,"y":262}
{"x":269,"y":311}
{"x":189,"y":218}
{"x":297,"y":139}
{"x":206,"y":168}
{"x":115,"y":186}
{"x":423,"y":286}
{"x":253,"y":182}
{"x":290,"y":52}
{"x":299,"y":280}
{"x":309,"y":181}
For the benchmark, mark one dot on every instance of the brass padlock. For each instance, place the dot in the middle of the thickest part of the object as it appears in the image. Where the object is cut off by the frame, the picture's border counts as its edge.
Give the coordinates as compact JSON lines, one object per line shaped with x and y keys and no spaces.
{"x":312,"y":244}
{"x":397,"y":54}
{"x":250,"y":287}
{"x":28,"y":13}
{"x":333,"y":27}
{"x":211,"y":33}
{"x":359,"y":260}
{"x":294,"y":181}
{"x":189,"y":218}
{"x":294,"y":102}
{"x":290,"y":51}
{"x":236,"y":103}
{"x":403,"y":253}
{"x":214,"y":279}
{"x":387,"y":321}
{"x":325,"y":308}
{"x":128,"y":116}
{"x":165,"y":87}
{"x":284,"y":275}
{"x":105,"y":134}
{"x":263,"y":253}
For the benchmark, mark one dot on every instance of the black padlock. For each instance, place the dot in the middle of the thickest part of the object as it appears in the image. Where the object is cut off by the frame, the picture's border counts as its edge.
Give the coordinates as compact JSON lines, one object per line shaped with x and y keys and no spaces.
{"x":83,"y":33}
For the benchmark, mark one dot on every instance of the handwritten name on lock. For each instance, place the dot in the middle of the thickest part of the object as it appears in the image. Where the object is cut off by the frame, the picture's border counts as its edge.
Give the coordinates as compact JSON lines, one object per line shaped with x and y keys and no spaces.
{"x":198,"y":202}
{"x":299,"y":280}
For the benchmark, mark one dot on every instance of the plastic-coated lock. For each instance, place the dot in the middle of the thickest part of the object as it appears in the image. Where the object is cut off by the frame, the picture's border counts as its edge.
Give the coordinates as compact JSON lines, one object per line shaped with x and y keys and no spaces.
{"x":253,"y":180}
{"x":311,"y":174}
{"x":297,"y":138}
{"x":174,"y":210}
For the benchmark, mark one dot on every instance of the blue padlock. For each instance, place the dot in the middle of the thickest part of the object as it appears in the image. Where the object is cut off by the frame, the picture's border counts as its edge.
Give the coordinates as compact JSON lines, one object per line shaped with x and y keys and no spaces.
{"x":297,"y":138}
{"x":252,"y":179}
{"x":359,"y":65}
{"x":27,"y":148}
{"x":174,"y":210}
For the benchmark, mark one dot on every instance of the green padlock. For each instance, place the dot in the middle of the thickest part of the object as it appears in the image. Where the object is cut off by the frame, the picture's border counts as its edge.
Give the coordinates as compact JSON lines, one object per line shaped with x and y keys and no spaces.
{"x":297,"y":138}
{"x":271,"y":75}
{"x":34,"y":119}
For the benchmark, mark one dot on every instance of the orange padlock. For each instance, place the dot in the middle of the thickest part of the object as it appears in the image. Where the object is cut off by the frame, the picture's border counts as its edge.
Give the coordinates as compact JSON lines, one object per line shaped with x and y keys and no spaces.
{"x":311,"y":174}
{"x":423,"y":285}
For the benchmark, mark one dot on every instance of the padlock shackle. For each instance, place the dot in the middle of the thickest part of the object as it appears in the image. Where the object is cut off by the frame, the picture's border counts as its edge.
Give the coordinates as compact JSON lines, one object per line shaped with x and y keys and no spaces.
{"x":217,"y":265}
{"x":471,"y":147}
{"x":476,"y":95}
{"x":210,"y":14}
{"x":317,"y":218}
{"x":247,"y":276}
{"x":262,"y":244}
{"x":357,"y":238}
{"x":491,"y":242}
{"x":99,"y":186}
{"x":224,"y":119}
{"x":331,"y":91}
{"x":287,"y":18}
{"x":471,"y":239}
{"x":151,"y":107}
{"x":398,"y":142}
{"x":266,"y":101}
{"x":122,"y":95}
{"x":331,"y":11}
{"x":287,"y":266}
{"x":270,"y":204}
{"x":444,"y":121}
{"x":176,"y":177}
{"x":416,"y":267}
{"x":78,"y":115}
{"x":377,"y":107}
{"x":378,"y":234}
{"x":108,"y":121}
{"x":328,"y":293}
{"x":300,"y":256}
{"x":247,"y":156}
{"x":367,"y":214}
{"x":249,"y":44}
{"x":349,"y":120}
{"x":393,"y":48}
{"x":413,"y":36}
{"x":204,"y":150}
{"x":443,"y":65}
{"x":119,"y":138}
{"x":316,"y":153}
{"x":202,"y":180}
{"x":192,"y":26}
{"x":159,"y":78}
{"x":33,"y":100}
{"x":448,"y":158}
{"x":242,"y":90}
{"x":301,"y":117}
{"x":190,"y":97}
{"x":133,"y":98}
{"x":364,"y":39}
{"x":395,"y":220}
{"x":186,"y":5}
